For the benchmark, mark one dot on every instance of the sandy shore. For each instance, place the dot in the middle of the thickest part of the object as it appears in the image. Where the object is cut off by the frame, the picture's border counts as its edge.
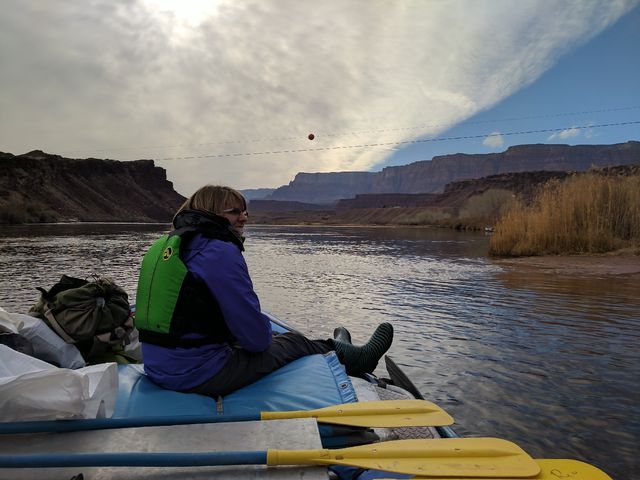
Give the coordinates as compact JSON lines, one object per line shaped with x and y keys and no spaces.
{"x":598,"y":265}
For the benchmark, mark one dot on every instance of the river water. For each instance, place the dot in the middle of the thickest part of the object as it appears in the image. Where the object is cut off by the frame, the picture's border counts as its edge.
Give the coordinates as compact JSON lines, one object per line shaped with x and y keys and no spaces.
{"x":549,"y":361}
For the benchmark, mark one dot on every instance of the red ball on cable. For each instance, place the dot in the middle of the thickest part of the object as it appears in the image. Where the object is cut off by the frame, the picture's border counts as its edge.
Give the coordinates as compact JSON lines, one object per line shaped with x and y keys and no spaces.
{"x":311,"y":136}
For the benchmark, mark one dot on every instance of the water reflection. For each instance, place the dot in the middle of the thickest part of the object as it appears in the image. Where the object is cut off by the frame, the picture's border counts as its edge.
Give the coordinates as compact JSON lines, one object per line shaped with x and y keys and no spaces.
{"x":36,"y":256}
{"x":549,"y":361}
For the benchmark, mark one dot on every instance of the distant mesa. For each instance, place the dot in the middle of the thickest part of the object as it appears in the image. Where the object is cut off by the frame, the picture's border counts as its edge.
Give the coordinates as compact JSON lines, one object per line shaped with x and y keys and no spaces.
{"x":41,"y":187}
{"x":456,"y":194}
{"x":432,"y":176}
{"x":324,"y":188}
{"x":283,"y":206}
{"x":256,"y":193}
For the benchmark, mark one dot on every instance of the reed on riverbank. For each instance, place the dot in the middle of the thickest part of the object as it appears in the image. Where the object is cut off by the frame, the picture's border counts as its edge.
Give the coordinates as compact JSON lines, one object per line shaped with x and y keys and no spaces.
{"x":583,"y":214}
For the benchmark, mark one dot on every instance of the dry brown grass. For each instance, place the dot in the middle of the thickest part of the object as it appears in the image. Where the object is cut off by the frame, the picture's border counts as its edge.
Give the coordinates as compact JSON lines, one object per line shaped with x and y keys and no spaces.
{"x":587,"y":213}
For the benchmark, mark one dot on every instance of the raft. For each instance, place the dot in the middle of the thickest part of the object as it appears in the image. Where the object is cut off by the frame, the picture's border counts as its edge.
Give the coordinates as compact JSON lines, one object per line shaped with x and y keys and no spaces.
{"x":172,"y":435}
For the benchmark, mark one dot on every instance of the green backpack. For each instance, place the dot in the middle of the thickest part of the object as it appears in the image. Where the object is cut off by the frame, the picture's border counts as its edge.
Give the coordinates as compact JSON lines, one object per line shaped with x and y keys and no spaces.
{"x":93,"y":315}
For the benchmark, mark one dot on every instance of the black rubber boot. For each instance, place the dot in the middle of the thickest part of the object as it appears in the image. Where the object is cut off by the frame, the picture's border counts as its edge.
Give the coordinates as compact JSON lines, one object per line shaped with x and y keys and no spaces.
{"x":364,"y":359}
{"x":342,"y":335}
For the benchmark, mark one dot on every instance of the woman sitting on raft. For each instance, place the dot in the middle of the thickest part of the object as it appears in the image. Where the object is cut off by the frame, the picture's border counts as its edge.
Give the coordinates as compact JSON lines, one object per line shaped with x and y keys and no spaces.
{"x":200,"y":322}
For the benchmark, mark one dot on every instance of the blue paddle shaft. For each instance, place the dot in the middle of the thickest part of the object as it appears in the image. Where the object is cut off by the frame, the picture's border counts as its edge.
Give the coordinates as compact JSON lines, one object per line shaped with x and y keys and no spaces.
{"x":59,"y":426}
{"x":137,"y":459}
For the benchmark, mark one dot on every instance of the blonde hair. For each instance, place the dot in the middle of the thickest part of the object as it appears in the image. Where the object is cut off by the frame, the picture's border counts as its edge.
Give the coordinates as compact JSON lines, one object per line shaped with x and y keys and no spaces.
{"x":213,"y":199}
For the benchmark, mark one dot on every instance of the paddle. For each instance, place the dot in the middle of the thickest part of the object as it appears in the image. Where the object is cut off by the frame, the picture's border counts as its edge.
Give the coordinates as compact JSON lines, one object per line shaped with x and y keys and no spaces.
{"x":551,"y":469}
{"x":383,"y":413}
{"x":476,"y":457}
{"x":400,"y":379}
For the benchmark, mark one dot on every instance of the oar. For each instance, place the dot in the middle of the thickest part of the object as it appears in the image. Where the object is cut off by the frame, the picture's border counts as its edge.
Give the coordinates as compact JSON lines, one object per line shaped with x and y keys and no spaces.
{"x":383,"y":413}
{"x":464,"y":457}
{"x":550,"y":469}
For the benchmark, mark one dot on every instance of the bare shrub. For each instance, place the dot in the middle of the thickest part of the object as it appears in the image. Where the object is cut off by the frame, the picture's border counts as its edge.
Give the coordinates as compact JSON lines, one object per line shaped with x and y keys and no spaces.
{"x":487,"y":207}
{"x":16,"y":210}
{"x":425,"y":216}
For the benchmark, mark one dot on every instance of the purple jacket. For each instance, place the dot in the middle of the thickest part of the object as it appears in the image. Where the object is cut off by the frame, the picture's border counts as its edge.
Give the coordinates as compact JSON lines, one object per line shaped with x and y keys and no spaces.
{"x":222,"y":267}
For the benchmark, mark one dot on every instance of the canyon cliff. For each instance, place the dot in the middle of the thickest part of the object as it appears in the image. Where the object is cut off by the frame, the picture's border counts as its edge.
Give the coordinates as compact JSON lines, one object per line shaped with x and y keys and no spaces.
{"x":39,"y":187}
{"x":466,"y":204}
{"x":432,"y":176}
{"x":324,"y":188}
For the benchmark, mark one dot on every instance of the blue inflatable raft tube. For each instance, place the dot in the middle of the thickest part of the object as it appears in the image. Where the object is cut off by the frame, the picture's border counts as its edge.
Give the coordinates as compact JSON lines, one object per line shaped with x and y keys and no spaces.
{"x":310,"y":382}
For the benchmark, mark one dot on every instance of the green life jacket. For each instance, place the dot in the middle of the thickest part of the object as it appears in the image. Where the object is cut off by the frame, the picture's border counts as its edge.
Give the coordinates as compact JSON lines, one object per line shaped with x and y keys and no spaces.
{"x":161,"y":277}
{"x":171,"y":302}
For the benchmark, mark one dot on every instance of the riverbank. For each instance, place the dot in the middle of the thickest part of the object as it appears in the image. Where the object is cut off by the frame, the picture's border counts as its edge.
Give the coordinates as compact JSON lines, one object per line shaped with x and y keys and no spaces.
{"x":371,"y":217}
{"x":623,"y":262}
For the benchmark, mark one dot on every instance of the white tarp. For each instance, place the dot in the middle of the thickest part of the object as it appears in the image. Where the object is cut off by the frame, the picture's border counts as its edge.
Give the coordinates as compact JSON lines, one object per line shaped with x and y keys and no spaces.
{"x":31,"y":389}
{"x":46,"y":344}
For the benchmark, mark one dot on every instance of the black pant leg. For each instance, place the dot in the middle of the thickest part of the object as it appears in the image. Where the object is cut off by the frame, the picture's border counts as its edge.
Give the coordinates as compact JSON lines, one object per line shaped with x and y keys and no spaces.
{"x":244,"y":367}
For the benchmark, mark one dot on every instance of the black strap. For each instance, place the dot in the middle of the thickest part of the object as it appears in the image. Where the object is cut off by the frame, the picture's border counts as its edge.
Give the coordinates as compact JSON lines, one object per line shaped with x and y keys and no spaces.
{"x":170,"y":341}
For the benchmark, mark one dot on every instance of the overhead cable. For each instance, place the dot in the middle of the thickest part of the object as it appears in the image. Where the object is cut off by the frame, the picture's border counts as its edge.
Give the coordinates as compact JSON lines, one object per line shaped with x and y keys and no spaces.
{"x":358,"y":132}
{"x":405,"y":142}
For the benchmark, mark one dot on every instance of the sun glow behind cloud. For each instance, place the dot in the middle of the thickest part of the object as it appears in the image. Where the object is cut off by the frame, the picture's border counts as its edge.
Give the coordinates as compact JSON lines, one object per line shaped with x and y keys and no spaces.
{"x":191,"y":12}
{"x":216,"y":86}
{"x":181,"y":17}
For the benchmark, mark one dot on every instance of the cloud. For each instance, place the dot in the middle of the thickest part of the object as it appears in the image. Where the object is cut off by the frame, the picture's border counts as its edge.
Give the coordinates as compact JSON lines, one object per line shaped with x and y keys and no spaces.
{"x":564,"y":134}
{"x":227,"y":91}
{"x":494,"y":140}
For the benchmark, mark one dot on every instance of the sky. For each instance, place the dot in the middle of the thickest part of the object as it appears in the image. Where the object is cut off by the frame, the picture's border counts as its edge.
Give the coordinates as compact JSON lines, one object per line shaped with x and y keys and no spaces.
{"x":227,"y":92}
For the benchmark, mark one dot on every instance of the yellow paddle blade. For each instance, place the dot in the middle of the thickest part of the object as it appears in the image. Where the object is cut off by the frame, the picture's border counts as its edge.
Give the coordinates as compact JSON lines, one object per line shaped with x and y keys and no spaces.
{"x":445,"y":457}
{"x":554,"y":469}
{"x":383,"y":413}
